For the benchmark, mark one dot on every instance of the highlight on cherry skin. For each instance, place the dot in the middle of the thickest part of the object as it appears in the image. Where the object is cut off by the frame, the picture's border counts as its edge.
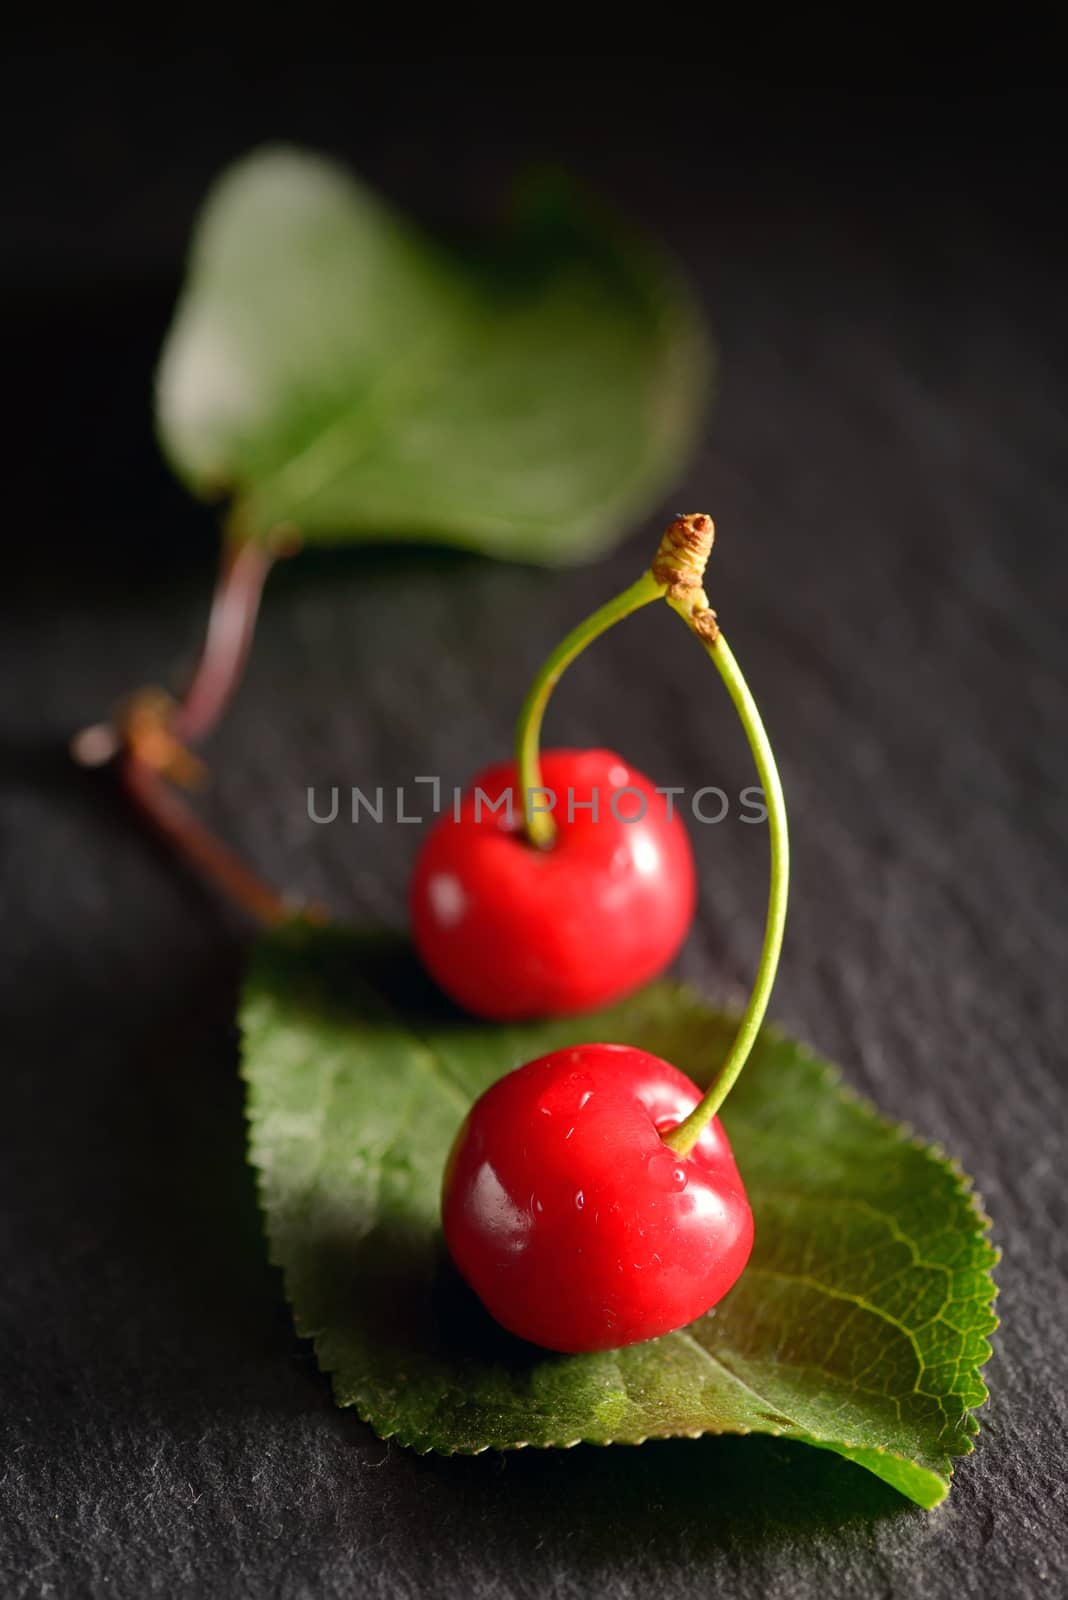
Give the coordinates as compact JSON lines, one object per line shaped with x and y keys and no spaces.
{"x":574,"y":1223}
{"x":512,"y":932}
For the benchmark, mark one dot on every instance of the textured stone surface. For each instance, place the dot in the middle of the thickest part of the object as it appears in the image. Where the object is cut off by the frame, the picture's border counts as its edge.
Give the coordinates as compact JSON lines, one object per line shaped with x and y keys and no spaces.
{"x":886,"y":467}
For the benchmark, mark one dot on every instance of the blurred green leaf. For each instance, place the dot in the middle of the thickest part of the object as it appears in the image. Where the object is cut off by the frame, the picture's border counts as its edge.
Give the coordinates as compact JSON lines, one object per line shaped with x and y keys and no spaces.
{"x":860,"y":1324}
{"x":331,"y":367}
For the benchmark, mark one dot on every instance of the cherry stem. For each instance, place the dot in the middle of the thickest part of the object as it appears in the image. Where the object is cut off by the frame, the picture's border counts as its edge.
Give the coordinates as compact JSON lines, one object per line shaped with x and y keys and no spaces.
{"x":540,"y":827}
{"x":677,"y":575}
{"x":683,"y":1138}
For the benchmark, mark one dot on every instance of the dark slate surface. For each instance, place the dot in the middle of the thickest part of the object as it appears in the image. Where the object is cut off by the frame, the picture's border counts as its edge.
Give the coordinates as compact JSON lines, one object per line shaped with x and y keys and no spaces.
{"x":887,"y":470}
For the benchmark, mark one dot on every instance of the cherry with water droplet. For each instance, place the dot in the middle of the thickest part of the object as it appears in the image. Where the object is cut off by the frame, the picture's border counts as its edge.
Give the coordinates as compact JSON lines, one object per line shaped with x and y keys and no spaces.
{"x":573,"y":1221}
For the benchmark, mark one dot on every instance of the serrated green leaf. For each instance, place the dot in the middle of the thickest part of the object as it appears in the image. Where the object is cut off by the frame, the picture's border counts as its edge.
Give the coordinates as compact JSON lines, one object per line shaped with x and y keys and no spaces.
{"x":332,"y":368}
{"x":860,"y":1325}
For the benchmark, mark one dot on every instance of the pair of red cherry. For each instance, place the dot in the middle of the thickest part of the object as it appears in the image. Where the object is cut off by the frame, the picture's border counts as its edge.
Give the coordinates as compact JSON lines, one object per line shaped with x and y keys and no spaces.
{"x":573,"y":1221}
{"x":591,"y":1199}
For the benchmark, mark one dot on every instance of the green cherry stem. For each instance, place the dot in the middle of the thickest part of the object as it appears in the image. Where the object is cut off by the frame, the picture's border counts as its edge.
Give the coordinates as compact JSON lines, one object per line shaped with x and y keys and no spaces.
{"x":683,"y":1138}
{"x":677,"y":575}
{"x":680,"y":563}
{"x":540,"y":827}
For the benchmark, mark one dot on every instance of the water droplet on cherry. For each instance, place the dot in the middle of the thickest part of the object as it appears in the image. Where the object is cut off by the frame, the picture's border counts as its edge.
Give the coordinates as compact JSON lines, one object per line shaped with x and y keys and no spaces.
{"x":668,"y":1171}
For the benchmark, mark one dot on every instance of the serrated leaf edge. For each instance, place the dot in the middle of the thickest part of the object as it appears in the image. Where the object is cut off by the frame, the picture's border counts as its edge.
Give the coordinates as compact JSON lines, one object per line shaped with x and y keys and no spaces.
{"x":964,"y":1188}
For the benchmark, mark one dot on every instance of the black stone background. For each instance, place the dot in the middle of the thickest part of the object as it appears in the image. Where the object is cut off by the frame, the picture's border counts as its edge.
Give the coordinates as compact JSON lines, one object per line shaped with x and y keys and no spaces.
{"x":886,"y":466}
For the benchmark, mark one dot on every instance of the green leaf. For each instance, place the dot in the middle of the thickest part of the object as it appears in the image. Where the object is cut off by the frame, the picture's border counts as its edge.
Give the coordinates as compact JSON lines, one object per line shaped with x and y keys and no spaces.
{"x":331,"y":367}
{"x":859,"y":1326}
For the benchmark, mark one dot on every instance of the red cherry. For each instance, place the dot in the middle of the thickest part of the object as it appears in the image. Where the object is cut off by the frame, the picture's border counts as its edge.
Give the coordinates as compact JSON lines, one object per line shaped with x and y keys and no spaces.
{"x":511,"y":931}
{"x":575,"y":1224}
